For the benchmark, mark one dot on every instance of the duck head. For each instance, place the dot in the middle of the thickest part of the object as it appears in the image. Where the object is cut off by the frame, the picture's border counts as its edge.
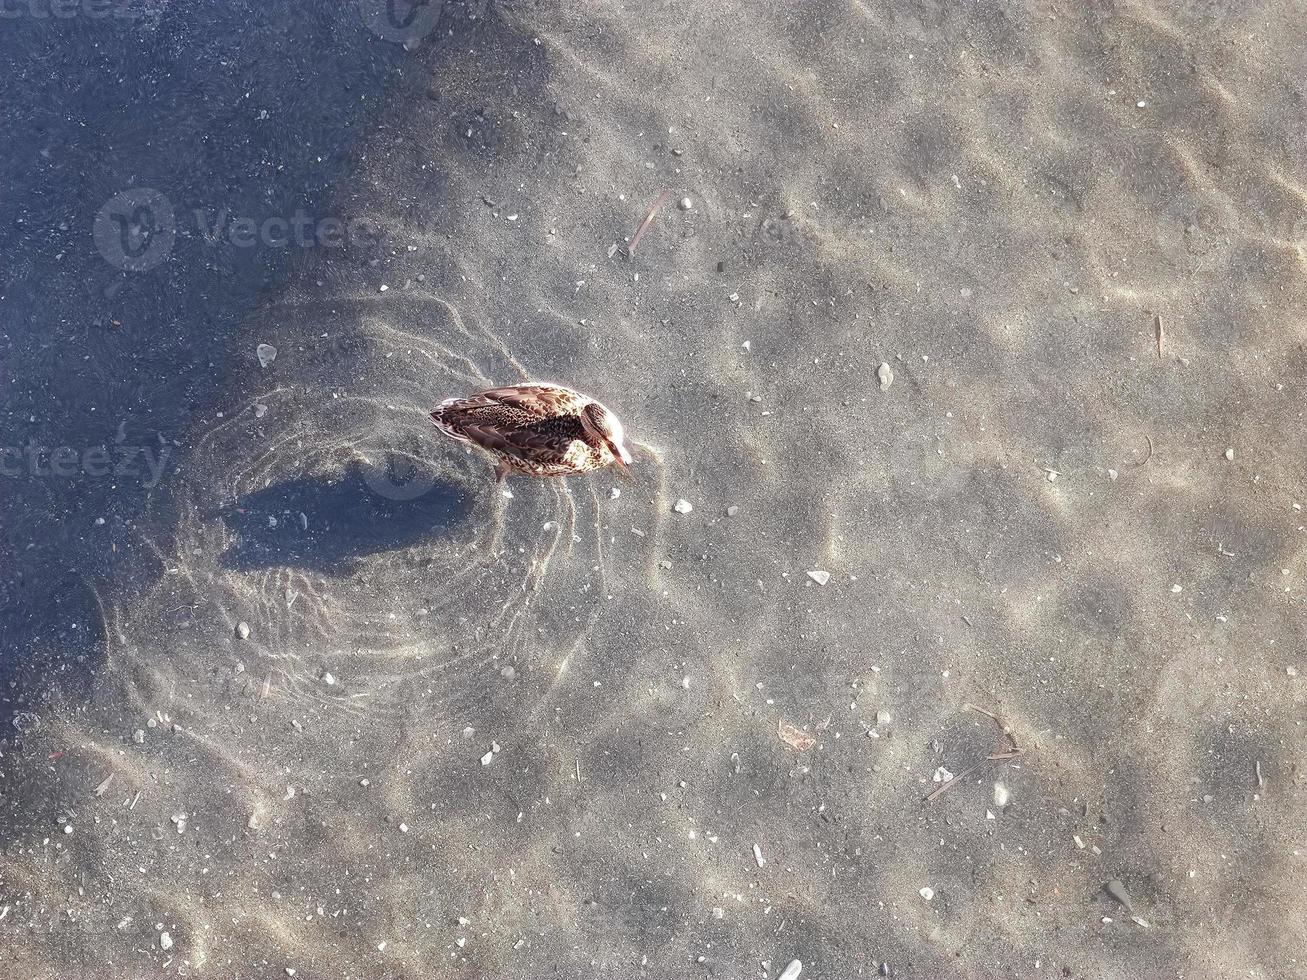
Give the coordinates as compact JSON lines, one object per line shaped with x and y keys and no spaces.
{"x":603,"y":428}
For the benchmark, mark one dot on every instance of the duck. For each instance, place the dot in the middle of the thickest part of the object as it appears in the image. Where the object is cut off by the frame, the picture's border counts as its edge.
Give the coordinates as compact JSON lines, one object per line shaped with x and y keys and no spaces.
{"x":537,"y":429}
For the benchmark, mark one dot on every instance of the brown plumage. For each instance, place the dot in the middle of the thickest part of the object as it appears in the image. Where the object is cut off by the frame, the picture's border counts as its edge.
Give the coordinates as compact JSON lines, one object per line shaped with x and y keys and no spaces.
{"x":536,"y":429}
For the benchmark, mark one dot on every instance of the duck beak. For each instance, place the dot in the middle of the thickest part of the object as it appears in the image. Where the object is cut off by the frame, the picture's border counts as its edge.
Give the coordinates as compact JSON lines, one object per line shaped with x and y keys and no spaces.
{"x":622,"y":458}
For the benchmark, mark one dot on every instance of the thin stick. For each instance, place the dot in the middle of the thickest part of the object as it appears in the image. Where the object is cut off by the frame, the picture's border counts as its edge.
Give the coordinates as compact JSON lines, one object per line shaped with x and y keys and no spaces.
{"x":1157,"y":323}
{"x":949,"y":785}
{"x":639,"y":232}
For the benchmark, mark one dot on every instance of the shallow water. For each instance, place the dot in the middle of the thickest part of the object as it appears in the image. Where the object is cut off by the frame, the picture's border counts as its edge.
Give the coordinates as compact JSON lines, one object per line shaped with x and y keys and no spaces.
{"x":367,"y":714}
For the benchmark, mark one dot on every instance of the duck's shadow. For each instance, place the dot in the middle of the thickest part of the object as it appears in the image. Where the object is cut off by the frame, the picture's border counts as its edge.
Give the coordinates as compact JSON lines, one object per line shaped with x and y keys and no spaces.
{"x":328,"y":525}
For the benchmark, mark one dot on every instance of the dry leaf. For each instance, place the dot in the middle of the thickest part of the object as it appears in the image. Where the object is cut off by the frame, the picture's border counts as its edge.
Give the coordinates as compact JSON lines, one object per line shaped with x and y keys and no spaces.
{"x":795,"y":738}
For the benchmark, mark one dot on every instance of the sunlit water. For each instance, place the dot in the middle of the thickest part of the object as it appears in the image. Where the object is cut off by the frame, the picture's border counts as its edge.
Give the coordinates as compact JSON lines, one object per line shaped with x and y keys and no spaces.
{"x":347,"y":707}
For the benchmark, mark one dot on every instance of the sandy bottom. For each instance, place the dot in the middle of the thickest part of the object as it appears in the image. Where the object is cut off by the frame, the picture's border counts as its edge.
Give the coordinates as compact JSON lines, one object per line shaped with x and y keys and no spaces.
{"x":567,"y":731}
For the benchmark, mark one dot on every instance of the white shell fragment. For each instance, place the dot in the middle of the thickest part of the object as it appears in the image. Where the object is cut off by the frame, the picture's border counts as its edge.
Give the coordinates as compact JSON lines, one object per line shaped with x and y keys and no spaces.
{"x":886,"y":375}
{"x":266,"y":354}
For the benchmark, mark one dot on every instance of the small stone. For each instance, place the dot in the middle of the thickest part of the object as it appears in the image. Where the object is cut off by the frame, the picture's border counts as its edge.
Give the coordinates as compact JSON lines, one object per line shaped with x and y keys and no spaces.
{"x":886,"y":375}
{"x":683,"y":506}
{"x":732,"y":510}
{"x":384,"y":288}
{"x":818,"y":576}
{"x":266,"y":354}
{"x":1116,"y":890}
{"x":260,"y":411}
{"x":927,"y":893}
{"x":941,"y":775}
{"x":488,"y":758}
{"x":243,"y":630}
{"x":165,"y":941}
{"x":686,"y":204}
{"x":328,"y":678}
{"x":1229,"y":453}
{"x":883,"y":718}
{"x":792,"y":971}
{"x":757,"y":856}
{"x":1001,"y":795}
{"x":508,"y":673}
{"x":1177,"y":589}
{"x":138,"y":736}
{"x":1112,"y":474}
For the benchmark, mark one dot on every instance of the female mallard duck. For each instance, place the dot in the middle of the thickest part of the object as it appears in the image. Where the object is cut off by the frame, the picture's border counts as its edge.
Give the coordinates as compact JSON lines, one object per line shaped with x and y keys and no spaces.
{"x":536,"y":429}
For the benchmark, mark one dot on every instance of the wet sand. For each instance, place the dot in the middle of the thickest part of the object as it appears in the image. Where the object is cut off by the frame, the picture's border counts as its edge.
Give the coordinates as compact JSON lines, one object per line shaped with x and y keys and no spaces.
{"x":348,"y":709}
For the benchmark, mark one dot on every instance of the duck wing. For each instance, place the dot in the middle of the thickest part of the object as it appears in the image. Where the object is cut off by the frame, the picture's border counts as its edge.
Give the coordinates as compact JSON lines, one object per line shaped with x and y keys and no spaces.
{"x":538,"y":400}
{"x":537,"y":423}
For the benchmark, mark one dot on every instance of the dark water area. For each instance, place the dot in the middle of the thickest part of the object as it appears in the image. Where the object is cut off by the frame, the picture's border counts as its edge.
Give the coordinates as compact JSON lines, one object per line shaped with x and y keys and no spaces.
{"x":131,"y":145}
{"x":271,"y":528}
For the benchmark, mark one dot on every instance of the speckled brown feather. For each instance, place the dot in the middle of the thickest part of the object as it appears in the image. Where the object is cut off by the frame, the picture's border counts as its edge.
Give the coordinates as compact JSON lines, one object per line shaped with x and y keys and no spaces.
{"x":530,"y":429}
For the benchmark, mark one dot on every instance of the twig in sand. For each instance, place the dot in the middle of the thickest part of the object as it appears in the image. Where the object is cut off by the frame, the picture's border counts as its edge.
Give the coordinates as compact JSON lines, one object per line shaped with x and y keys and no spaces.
{"x":999,"y":754}
{"x":1157,"y":325}
{"x":648,"y":218}
{"x":944,"y":786}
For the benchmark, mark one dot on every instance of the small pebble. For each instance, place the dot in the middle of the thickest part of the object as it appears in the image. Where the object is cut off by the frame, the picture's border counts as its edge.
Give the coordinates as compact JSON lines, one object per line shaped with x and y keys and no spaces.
{"x":683,"y":506}
{"x":732,"y":510}
{"x":927,"y":893}
{"x":883,"y":718}
{"x":792,"y":971}
{"x":266,"y":354}
{"x":757,"y":856}
{"x":488,"y":758}
{"x":243,"y":630}
{"x":886,"y":375}
{"x":1116,"y":890}
{"x":614,"y":493}
{"x":1001,"y":795}
{"x":1229,"y":453}
{"x":818,"y":576}
{"x":686,"y":204}
{"x":165,"y":941}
